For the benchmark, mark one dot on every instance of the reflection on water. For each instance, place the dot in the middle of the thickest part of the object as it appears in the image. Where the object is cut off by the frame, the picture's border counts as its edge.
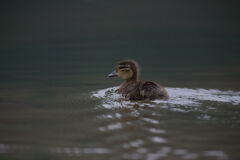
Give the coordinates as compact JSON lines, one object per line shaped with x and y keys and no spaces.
{"x":71,"y":151}
{"x":139,"y":154}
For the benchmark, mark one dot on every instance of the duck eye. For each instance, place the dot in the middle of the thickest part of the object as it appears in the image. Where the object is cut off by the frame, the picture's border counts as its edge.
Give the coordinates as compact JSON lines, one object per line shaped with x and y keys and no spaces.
{"x":124,"y":70}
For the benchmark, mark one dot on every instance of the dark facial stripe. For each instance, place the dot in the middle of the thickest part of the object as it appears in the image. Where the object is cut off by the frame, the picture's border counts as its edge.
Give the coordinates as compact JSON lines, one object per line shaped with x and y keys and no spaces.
{"x":123,"y":66}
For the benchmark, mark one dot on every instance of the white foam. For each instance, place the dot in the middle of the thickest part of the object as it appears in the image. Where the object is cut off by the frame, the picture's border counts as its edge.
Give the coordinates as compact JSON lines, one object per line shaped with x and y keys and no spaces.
{"x":158,"y":140}
{"x":178,"y":97}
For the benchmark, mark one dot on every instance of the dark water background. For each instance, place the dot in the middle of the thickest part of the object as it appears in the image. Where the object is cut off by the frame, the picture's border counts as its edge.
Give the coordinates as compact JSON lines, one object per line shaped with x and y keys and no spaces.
{"x":54,"y":54}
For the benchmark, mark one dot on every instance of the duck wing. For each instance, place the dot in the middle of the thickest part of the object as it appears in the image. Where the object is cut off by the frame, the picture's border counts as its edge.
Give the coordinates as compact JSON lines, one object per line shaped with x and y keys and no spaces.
{"x":150,"y":90}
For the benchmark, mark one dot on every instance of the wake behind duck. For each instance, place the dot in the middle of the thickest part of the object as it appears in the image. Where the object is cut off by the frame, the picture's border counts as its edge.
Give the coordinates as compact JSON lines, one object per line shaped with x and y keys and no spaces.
{"x":186,"y":97}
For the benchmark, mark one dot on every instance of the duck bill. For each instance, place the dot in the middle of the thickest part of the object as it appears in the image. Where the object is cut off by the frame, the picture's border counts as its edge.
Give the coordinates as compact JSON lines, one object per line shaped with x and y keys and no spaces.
{"x":113,"y":74}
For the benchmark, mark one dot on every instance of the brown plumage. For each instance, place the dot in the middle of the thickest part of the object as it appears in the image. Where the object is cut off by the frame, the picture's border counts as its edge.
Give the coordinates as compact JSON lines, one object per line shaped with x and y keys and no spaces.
{"x":134,"y":89}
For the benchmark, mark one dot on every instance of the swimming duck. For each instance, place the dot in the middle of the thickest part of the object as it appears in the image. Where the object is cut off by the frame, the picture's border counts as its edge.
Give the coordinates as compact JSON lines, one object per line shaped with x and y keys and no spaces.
{"x":134,"y":89}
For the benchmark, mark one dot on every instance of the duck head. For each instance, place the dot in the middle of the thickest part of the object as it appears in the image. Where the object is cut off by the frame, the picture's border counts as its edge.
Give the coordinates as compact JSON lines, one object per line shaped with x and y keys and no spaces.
{"x":127,"y":70}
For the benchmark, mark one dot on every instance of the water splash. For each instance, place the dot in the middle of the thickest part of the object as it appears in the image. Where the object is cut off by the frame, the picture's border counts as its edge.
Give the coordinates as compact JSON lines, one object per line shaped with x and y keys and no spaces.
{"x":178,"y":97}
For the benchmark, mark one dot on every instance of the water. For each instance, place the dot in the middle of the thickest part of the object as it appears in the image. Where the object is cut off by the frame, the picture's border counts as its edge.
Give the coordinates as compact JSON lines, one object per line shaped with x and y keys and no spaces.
{"x":57,"y":104}
{"x":60,"y":105}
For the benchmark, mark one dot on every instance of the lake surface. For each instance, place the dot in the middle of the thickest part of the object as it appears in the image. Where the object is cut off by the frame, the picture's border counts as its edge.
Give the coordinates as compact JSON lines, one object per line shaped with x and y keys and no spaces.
{"x":56,"y":103}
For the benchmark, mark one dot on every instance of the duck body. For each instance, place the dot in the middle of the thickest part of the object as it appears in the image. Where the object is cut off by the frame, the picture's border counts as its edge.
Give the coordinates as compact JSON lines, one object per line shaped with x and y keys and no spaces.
{"x":142,"y":90}
{"x":134,"y":89}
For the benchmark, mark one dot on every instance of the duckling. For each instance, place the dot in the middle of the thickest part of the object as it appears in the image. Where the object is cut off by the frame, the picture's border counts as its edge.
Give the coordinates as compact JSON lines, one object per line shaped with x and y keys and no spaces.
{"x":134,"y":89}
